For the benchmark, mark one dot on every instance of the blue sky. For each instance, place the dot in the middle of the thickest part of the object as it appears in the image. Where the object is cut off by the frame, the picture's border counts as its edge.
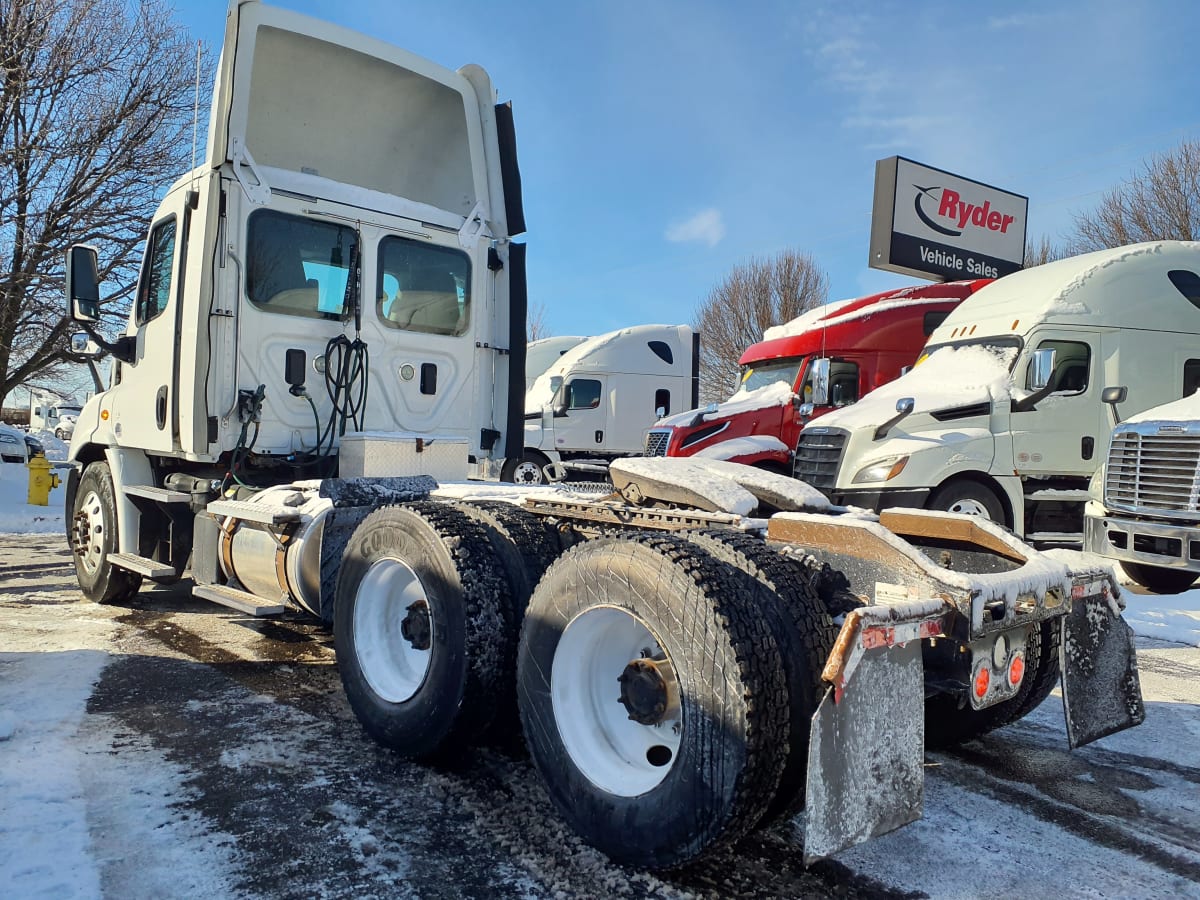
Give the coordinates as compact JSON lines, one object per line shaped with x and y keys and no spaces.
{"x":663,"y":142}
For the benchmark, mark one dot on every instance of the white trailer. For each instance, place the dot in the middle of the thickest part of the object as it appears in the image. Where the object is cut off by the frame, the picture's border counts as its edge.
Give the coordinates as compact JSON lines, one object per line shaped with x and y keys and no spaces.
{"x":1004,"y":416}
{"x":665,"y":651}
{"x":596,"y":401}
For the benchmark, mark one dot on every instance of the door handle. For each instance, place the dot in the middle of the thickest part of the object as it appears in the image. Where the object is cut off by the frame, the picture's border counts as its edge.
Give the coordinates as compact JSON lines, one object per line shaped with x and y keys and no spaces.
{"x":160,"y":407}
{"x":599,"y":437}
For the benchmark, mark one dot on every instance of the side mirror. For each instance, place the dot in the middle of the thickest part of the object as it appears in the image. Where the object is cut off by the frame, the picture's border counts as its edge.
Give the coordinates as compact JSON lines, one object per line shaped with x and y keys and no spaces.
{"x":83,"y":345}
{"x":818,"y":374}
{"x":805,"y":410}
{"x":659,"y":412}
{"x":904,"y":370}
{"x":1041,"y":368}
{"x":83,"y":284}
{"x":1112,"y":396}
{"x":904,"y":407}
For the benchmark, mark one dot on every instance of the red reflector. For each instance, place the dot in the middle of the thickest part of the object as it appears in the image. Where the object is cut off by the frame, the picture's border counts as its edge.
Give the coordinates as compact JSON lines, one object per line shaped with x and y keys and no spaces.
{"x":1016,"y":670}
{"x":982,"y":679}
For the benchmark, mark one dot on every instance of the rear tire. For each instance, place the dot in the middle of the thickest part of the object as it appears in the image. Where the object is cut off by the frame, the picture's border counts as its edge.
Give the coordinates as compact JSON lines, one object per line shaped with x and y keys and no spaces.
{"x":1158,"y":579}
{"x":969,"y":498}
{"x":805,"y":634}
{"x":93,"y":538}
{"x":691,"y":775}
{"x":422,"y":628}
{"x":528,"y":468}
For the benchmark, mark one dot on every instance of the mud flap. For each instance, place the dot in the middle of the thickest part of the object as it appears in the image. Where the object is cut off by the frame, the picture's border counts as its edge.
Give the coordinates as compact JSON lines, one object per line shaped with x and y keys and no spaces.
{"x":867,"y":753}
{"x":1100,"y":686}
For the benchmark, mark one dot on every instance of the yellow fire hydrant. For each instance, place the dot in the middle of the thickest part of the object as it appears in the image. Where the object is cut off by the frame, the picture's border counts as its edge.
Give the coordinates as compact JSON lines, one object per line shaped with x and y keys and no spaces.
{"x":41,"y":480}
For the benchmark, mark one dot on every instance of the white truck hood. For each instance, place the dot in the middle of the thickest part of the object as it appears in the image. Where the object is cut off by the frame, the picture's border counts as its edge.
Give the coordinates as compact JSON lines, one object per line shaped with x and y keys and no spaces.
{"x":1184,"y":410}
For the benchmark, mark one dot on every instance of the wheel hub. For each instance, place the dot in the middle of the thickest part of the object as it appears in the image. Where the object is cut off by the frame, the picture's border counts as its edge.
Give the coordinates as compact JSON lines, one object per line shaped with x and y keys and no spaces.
{"x":527,"y":473}
{"x":648,"y":691}
{"x":415,"y":627}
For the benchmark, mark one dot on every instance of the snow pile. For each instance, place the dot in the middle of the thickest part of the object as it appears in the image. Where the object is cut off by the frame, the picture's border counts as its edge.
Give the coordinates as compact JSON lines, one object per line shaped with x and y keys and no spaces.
{"x":19,"y":517}
{"x":750,"y":445}
{"x":950,"y":377}
{"x":1168,"y":618}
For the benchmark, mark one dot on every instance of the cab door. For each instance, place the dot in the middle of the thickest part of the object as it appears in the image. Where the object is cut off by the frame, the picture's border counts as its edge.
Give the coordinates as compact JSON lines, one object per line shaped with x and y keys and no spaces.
{"x":581,"y":413}
{"x":1065,"y":434}
{"x":145,"y":405}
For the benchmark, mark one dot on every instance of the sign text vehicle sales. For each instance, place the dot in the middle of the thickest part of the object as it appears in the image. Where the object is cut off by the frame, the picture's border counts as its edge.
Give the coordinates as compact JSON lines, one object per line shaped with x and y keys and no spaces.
{"x":934,"y":224}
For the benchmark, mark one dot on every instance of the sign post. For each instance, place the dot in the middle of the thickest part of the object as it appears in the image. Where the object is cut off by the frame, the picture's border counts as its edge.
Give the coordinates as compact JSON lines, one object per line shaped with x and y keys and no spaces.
{"x":934,"y":224}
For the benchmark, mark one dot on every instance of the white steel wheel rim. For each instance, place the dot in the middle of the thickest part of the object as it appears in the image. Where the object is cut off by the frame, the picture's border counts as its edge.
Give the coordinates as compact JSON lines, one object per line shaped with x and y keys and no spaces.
{"x":89,"y":532}
{"x":611,"y":750}
{"x":969,"y":507}
{"x":527,"y":472}
{"x":391,"y":665}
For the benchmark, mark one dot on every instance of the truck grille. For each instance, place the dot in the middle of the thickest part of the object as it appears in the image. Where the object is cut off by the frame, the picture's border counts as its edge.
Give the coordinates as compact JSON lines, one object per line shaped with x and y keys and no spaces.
{"x":656,"y":442}
{"x":1153,"y":472}
{"x":818,"y":456}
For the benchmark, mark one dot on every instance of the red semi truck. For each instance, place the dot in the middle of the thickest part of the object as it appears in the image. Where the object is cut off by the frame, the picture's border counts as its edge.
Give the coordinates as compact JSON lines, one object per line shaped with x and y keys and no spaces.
{"x":853,"y":345}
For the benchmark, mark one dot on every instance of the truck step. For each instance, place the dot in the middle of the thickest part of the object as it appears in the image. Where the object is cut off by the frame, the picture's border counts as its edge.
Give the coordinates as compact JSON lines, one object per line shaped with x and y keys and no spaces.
{"x":242,"y":601}
{"x":1063,"y":496}
{"x":163,"y":495}
{"x":149,"y":567}
{"x":1055,"y":537}
{"x":263,"y":513}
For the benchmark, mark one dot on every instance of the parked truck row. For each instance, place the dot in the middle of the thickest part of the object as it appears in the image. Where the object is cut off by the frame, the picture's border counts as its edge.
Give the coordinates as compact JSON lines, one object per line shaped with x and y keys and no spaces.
{"x":669,"y":652}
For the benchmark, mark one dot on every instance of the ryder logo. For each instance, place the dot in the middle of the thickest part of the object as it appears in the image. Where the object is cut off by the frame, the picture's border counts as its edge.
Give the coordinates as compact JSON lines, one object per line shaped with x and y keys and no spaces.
{"x":951,"y":206}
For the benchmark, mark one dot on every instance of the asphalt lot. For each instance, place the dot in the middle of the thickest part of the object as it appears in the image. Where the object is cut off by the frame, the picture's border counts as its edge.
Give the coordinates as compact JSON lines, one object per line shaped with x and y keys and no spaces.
{"x":274,"y":791}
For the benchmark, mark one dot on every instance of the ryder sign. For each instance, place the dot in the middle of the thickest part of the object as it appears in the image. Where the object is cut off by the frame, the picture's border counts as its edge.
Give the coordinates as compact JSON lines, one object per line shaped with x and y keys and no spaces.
{"x":933,"y":224}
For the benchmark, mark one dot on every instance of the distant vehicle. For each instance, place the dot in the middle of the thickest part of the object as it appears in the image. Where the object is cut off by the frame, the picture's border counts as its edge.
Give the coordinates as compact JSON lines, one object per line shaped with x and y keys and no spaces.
{"x":12,"y":445}
{"x":595,"y":402}
{"x":542,"y":354}
{"x":66,"y":424}
{"x":58,"y":418}
{"x":33,"y":445}
{"x":858,"y":344}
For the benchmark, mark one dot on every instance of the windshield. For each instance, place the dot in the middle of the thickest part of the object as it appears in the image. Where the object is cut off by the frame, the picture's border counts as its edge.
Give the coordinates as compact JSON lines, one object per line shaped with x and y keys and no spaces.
{"x":1005,"y":348}
{"x":773,"y":372}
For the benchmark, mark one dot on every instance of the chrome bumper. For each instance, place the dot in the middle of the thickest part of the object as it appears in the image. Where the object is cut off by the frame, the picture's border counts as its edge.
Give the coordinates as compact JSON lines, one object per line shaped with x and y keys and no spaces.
{"x":1136,"y":540}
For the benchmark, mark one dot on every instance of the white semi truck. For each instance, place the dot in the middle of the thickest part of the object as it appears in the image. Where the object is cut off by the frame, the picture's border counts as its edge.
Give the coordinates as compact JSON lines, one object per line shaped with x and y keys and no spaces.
{"x":1004,"y":416}
{"x":49,"y":413}
{"x":596,"y":401}
{"x":1144,"y":509}
{"x":545,"y":352}
{"x":340,"y":265}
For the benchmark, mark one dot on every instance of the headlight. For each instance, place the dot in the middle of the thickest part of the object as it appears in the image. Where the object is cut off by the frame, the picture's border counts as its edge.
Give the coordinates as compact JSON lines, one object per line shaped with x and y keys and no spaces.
{"x":884,"y":470}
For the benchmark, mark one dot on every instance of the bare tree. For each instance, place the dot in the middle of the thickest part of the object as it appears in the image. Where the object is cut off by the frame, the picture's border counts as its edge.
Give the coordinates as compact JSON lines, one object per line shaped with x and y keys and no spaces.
{"x":535,"y":323}
{"x":1041,"y":252}
{"x":96,"y":118}
{"x":752,"y":298}
{"x":1161,"y":203}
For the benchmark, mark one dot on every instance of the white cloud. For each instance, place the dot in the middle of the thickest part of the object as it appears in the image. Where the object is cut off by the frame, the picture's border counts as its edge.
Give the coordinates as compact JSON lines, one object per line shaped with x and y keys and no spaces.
{"x":704,"y":227}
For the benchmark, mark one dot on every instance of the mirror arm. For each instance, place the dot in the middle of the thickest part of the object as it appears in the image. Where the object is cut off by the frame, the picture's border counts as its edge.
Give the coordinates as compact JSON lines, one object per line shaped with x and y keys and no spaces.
{"x":1029,"y":404}
{"x":124,"y":348}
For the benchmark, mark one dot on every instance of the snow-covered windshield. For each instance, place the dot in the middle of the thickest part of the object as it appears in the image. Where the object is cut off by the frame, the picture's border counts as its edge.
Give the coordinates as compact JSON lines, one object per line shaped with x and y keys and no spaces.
{"x":777,"y":371}
{"x":1006,"y":348}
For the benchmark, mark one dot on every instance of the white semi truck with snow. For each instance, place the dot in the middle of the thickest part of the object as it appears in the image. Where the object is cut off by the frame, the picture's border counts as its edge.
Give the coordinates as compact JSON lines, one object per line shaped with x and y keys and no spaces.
{"x":1144,"y":509}
{"x":49,"y":413}
{"x":595,"y":402}
{"x":341,"y":266}
{"x":1004,"y":416}
{"x":545,"y":352}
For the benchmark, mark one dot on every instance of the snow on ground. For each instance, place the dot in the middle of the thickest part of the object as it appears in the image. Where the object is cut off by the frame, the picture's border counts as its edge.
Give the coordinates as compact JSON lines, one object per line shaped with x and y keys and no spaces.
{"x":19,"y":517}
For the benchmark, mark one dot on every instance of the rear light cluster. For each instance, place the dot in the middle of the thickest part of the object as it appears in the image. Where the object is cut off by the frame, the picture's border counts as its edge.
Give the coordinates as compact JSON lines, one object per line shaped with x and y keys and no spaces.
{"x":998,"y":674}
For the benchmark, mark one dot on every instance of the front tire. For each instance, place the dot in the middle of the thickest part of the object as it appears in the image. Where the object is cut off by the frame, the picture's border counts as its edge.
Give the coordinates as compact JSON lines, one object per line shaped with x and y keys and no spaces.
{"x":969,"y":498}
{"x":93,"y":538}
{"x":528,"y":468}
{"x":1158,"y":579}
{"x":688,"y":756}
{"x":421,"y":624}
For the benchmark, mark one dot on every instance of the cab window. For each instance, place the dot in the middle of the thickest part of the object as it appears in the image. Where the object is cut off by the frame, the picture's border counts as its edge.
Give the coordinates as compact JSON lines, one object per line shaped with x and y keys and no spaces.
{"x":583,"y":393}
{"x":298,"y":266}
{"x":1072,"y":363}
{"x":154,"y":289}
{"x":423,"y":287}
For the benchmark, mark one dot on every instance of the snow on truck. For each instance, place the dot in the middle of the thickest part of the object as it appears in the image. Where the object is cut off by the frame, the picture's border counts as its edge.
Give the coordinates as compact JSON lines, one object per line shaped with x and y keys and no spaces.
{"x":1005,"y":417}
{"x":1144,"y":509}
{"x":593,"y":404}
{"x":669,"y":650}
{"x":852,"y":347}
